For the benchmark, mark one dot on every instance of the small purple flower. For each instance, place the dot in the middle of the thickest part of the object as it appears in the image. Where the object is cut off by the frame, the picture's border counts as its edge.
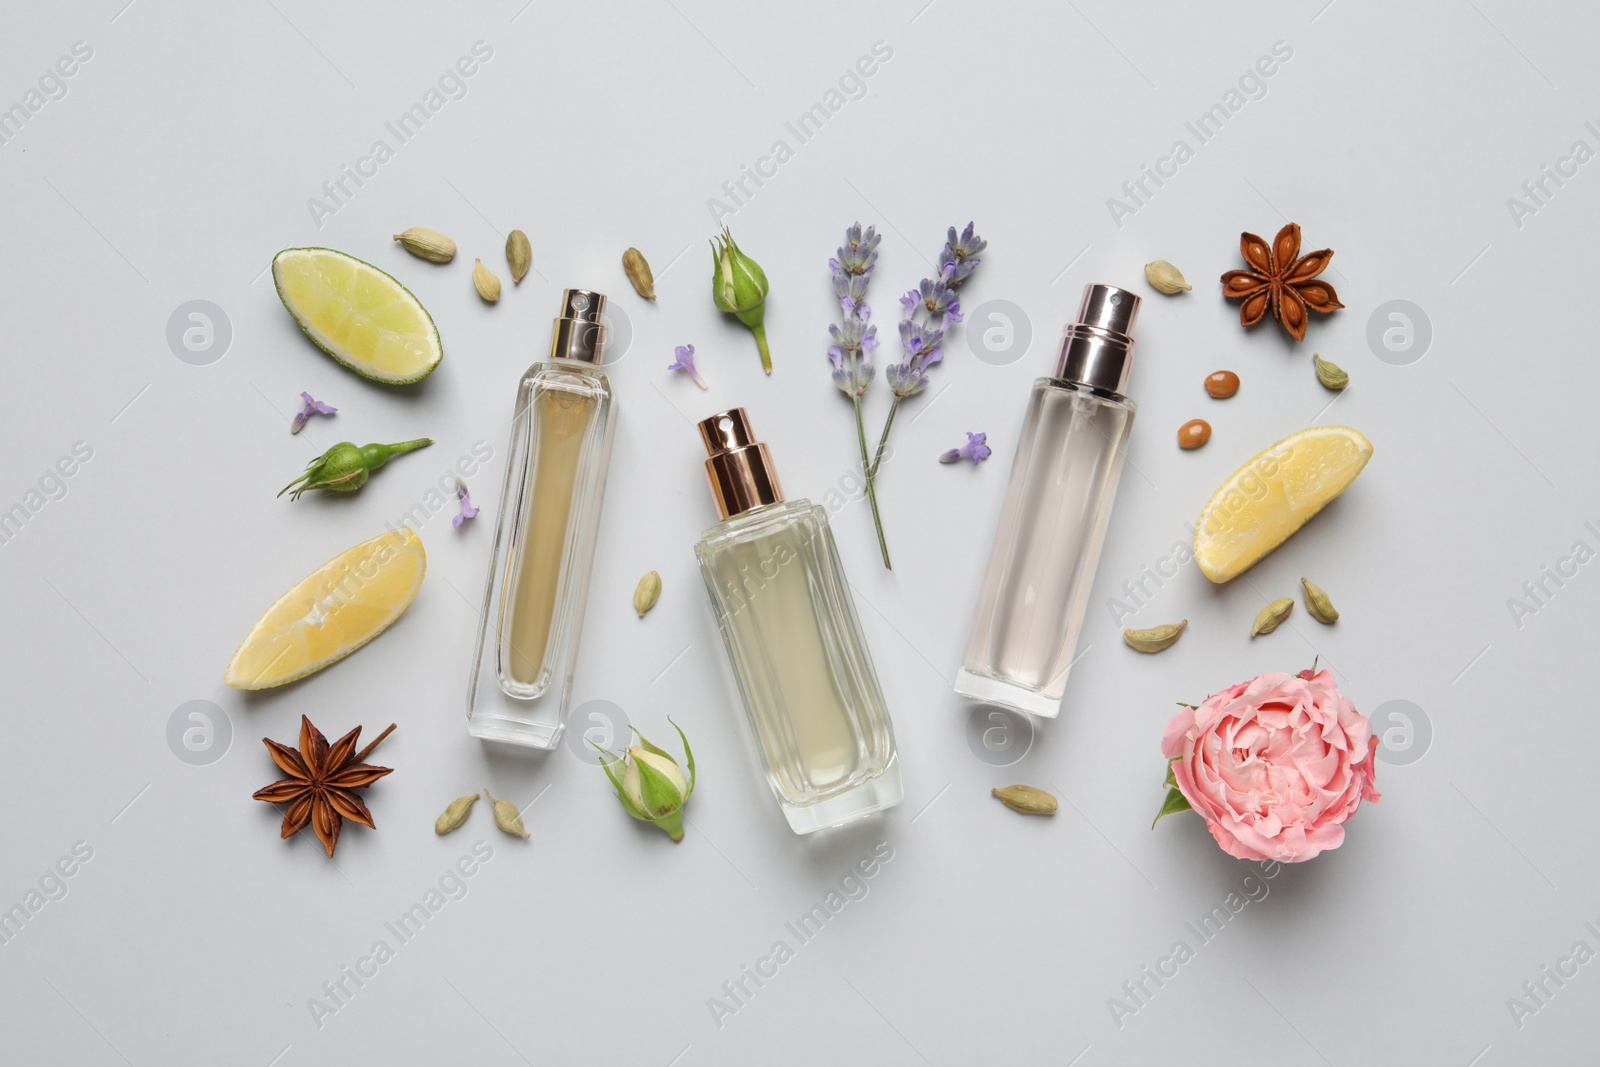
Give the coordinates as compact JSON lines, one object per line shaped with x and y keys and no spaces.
{"x":469,"y":510}
{"x":312,"y":407}
{"x":685,"y":362}
{"x":975,"y":449}
{"x":851,"y":351}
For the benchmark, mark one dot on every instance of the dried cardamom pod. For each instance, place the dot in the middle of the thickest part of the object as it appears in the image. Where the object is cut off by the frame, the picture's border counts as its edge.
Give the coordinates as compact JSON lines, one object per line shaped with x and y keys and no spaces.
{"x":1318,"y":604}
{"x":1165,"y":277}
{"x":455,"y":814}
{"x":1155,"y":638}
{"x":647,"y":593}
{"x":427,"y":244}
{"x":519,"y":255}
{"x":1272,"y":616}
{"x":1330,"y":374}
{"x":506,"y":816}
{"x":1026,"y":799}
{"x":638,"y":272}
{"x":485,"y":282}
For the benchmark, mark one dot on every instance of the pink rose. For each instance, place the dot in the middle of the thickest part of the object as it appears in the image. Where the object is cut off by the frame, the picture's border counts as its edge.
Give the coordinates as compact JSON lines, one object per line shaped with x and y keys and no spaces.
{"x":1274,"y":765}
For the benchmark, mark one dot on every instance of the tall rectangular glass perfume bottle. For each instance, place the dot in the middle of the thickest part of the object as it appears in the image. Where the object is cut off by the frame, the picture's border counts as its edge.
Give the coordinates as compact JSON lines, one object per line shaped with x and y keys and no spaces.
{"x":810,"y":695}
{"x":545,"y":535}
{"x":1058,"y":502}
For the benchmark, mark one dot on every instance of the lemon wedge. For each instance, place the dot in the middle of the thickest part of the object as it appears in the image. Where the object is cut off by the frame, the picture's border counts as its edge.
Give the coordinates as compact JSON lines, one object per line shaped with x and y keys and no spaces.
{"x":331,"y":612}
{"x":1277,"y":492}
{"x":357,"y":314}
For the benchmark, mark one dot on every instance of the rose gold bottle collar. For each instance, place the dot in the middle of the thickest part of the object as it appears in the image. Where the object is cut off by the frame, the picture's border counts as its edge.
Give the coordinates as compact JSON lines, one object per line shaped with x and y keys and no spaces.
{"x":739,"y":468}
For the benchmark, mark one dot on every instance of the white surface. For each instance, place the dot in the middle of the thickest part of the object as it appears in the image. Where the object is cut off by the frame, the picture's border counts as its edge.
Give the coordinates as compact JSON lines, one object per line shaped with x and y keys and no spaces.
{"x":181,"y":159}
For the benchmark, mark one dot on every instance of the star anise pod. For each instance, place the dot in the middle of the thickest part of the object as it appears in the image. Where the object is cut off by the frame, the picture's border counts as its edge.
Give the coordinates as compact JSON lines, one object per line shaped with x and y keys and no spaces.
{"x":1280,"y":280}
{"x":320,"y":789}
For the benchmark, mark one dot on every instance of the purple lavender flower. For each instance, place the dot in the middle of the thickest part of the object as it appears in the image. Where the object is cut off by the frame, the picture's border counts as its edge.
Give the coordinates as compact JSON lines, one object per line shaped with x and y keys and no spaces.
{"x":469,"y":510}
{"x":959,"y":258}
{"x":930,"y":310}
{"x":855,"y":339}
{"x":851,"y":351}
{"x":852,"y":265}
{"x":685,"y":362}
{"x":975,"y":449}
{"x":312,"y":407}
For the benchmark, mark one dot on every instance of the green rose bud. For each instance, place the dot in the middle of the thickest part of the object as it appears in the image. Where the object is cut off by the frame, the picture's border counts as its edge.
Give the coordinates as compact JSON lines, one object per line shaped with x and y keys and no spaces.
{"x":344,"y":468}
{"x":739,"y":287}
{"x":649,"y":783}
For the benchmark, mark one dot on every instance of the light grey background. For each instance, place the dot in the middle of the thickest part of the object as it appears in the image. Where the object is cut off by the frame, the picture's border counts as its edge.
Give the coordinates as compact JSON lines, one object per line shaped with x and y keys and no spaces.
{"x":183,"y":155}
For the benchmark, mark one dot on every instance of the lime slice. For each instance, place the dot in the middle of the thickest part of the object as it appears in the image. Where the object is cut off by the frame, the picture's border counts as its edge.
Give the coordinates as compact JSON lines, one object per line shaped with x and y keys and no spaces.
{"x":357,"y":314}
{"x":1273,"y":495}
{"x":331,"y":612}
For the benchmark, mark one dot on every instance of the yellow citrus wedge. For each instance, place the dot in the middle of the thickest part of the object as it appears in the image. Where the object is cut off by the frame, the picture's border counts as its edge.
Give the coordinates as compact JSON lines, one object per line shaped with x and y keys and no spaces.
{"x":333,"y":611}
{"x":357,"y":314}
{"x":1269,"y":498}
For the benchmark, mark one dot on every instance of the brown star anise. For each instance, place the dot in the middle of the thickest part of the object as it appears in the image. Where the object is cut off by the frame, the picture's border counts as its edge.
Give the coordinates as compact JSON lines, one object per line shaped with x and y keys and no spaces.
{"x":1280,"y":280}
{"x":321,"y":783}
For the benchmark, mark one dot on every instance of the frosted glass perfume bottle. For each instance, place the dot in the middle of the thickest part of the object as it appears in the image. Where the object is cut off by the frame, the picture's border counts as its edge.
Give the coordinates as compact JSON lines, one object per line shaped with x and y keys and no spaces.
{"x":810,"y":695}
{"x":544,"y":535}
{"x":1058,"y":502}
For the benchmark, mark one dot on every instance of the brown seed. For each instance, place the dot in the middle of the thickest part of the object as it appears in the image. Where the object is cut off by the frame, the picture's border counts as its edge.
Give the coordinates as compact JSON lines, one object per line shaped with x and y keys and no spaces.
{"x":1194,"y":433}
{"x":1222,"y":384}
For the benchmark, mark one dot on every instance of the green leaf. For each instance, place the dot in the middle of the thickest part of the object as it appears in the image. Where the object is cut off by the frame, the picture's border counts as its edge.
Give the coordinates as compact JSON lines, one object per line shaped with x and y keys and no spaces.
{"x":1172,"y":779}
{"x":688,"y":755}
{"x":1174,"y":803}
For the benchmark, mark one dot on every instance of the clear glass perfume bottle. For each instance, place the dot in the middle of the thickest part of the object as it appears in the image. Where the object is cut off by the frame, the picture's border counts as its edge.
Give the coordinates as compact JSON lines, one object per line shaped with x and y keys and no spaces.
{"x":810,"y":695}
{"x":544,"y":536}
{"x":1058,"y":502}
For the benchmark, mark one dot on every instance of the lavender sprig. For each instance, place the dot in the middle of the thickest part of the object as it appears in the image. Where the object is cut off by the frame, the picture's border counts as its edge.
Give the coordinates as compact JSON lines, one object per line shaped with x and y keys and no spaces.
{"x":856,"y":338}
{"x":928,"y":314}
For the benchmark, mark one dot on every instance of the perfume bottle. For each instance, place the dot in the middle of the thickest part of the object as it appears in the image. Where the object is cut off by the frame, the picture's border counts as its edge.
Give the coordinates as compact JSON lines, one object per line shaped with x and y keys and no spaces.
{"x":1058,"y":503}
{"x":544,"y":535}
{"x":810,"y":695}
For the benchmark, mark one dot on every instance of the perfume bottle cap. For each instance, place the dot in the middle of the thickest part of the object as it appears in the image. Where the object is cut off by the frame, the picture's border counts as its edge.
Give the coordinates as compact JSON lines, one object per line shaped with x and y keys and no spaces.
{"x":1097,"y":349}
{"x":739,"y":467}
{"x":580,"y":330}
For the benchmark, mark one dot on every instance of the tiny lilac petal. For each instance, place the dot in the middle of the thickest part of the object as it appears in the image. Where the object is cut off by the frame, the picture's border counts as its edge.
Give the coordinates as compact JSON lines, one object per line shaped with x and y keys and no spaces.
{"x":469,"y":510}
{"x":312,"y":406}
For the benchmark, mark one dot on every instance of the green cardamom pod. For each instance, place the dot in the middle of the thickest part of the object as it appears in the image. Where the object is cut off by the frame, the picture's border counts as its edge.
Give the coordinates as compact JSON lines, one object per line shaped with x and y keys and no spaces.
{"x":519,"y":255}
{"x":1155,"y":638}
{"x":455,"y":814}
{"x":647,"y":593}
{"x":1165,"y":277}
{"x":1026,"y":799}
{"x":638,"y":272}
{"x":1272,"y":616}
{"x":427,"y":244}
{"x":507,"y":817}
{"x":485,"y":282}
{"x":1318,"y":604}
{"x":1330,"y":374}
